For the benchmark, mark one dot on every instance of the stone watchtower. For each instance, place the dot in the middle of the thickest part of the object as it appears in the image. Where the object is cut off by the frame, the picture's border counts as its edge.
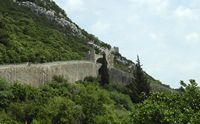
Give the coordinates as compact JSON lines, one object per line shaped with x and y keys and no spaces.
{"x":91,"y":55}
{"x":110,"y":59}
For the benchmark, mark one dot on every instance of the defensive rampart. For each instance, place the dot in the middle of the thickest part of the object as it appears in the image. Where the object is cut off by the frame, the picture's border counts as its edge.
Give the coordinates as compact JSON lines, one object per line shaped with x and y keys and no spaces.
{"x":37,"y":74}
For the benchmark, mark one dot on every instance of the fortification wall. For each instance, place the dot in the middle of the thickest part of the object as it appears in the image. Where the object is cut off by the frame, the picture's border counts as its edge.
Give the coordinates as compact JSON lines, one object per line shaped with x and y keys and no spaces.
{"x":37,"y":74}
{"x":119,"y":76}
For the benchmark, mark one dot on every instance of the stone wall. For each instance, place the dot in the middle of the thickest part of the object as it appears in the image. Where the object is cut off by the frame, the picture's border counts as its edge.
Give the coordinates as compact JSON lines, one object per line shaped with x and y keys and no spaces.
{"x":37,"y":74}
{"x":119,"y":76}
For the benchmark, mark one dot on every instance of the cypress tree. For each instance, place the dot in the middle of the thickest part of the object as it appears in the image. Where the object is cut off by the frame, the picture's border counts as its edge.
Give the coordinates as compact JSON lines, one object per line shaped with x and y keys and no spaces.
{"x":103,"y":71}
{"x":141,"y":82}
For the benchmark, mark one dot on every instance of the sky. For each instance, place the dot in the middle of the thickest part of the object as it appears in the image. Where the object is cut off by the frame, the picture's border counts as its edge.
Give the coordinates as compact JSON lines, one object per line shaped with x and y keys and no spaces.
{"x":164,"y":33}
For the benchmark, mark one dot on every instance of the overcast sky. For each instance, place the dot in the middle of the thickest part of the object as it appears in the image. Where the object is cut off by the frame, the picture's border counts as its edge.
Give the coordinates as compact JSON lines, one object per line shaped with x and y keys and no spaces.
{"x":164,"y":33}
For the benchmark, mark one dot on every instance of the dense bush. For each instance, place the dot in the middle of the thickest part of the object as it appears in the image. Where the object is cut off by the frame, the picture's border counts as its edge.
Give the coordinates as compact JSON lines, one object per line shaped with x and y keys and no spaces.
{"x":59,"y":102}
{"x":170,"y":108}
{"x":89,"y":103}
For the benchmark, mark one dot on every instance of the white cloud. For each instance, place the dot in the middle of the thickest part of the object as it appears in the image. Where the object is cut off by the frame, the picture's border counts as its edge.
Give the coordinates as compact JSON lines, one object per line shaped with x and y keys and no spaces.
{"x":153,"y":36}
{"x":75,"y":3}
{"x":156,"y":5}
{"x":132,"y":18}
{"x":158,"y":41}
{"x":187,"y":13}
{"x":193,"y":37}
{"x":70,"y":5}
{"x":184,"y":12}
{"x":159,"y":5}
{"x":100,"y":27}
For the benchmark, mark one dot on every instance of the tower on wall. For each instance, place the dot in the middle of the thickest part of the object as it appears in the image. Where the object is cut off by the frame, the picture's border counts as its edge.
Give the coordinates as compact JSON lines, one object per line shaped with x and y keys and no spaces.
{"x":91,"y":55}
{"x":116,"y":49}
{"x":110,"y":60}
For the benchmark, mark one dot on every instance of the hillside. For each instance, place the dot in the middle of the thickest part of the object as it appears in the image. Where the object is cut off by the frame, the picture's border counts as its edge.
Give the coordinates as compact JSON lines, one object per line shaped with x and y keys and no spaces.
{"x":40,"y":44}
{"x":39,"y":31}
{"x":29,"y":36}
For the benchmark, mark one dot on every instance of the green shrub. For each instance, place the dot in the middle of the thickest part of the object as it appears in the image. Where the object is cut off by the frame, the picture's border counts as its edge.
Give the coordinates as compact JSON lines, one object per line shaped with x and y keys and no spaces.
{"x":121,"y":100}
{"x":59,"y":79}
{"x":3,"y":85}
{"x":90,"y":79}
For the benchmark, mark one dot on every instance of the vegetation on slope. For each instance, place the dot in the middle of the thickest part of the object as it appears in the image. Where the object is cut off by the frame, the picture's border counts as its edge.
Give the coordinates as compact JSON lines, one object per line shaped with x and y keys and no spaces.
{"x":59,"y":102}
{"x":170,"y":108}
{"x":26,"y":36}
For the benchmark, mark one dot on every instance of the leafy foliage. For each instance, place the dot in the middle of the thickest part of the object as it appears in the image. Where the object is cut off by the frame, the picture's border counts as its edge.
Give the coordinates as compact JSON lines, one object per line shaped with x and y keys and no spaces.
{"x":59,"y":102}
{"x":168,"y":107}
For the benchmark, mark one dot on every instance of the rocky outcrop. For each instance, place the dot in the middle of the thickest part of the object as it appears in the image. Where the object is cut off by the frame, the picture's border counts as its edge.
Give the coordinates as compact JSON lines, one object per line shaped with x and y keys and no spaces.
{"x":51,"y":15}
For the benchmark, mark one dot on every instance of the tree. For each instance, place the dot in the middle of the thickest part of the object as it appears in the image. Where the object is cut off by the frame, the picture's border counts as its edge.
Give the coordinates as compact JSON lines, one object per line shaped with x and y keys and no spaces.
{"x":103,"y":71}
{"x":133,"y":92}
{"x":4,"y":38}
{"x":143,"y":87}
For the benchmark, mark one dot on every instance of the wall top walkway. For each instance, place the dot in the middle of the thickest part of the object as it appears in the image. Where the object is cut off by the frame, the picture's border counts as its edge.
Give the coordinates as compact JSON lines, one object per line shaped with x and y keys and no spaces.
{"x":43,"y":64}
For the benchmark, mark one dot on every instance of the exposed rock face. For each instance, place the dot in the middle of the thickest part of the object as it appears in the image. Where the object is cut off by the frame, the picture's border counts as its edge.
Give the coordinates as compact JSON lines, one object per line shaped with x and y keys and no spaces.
{"x":51,"y":15}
